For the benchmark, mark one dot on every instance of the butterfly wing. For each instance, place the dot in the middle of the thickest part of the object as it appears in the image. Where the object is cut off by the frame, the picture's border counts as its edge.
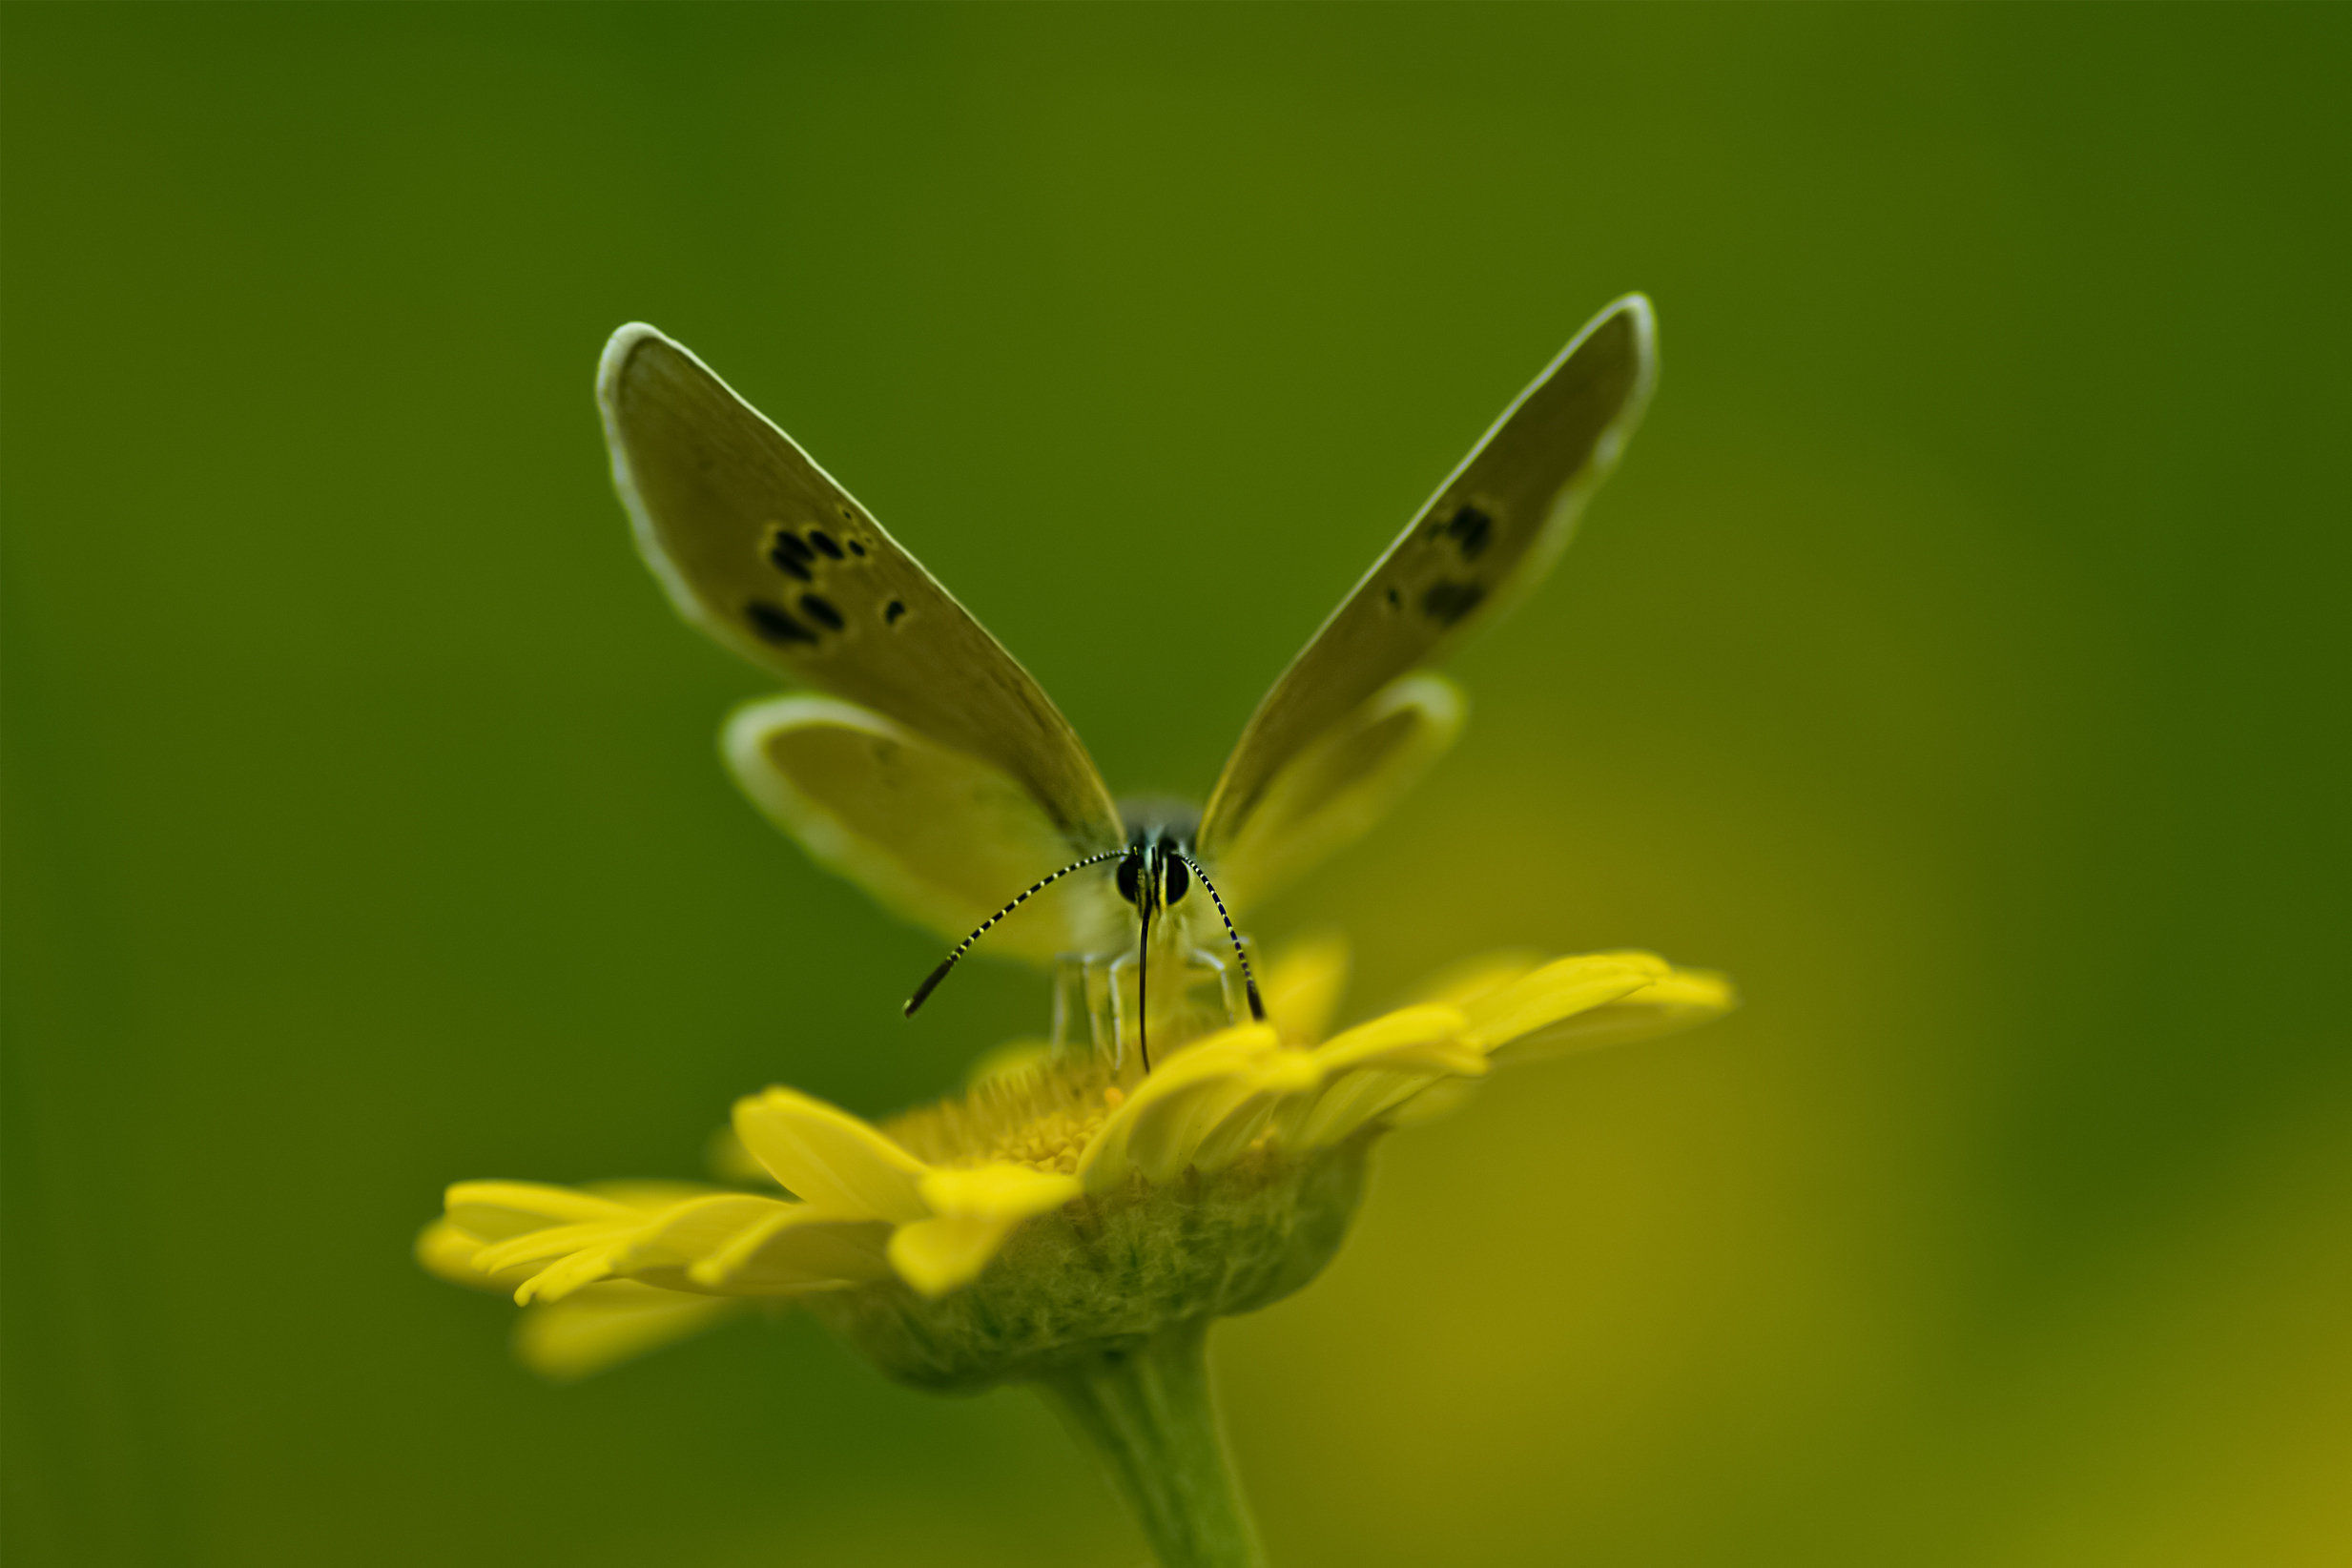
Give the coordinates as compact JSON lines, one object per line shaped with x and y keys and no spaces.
{"x":935,"y":835}
{"x":1487,"y":536}
{"x":760,"y":548}
{"x":1340,"y":784}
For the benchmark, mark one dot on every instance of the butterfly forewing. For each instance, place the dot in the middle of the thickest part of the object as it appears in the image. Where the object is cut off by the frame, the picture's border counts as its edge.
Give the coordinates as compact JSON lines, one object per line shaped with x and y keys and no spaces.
{"x":1492,"y":532}
{"x":761,"y":548}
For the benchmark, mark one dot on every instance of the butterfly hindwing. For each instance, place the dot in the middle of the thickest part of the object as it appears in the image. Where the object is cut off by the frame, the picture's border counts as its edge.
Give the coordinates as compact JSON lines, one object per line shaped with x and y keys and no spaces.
{"x":1491,"y":533}
{"x":1340,"y":784}
{"x":760,"y":548}
{"x":935,"y":835}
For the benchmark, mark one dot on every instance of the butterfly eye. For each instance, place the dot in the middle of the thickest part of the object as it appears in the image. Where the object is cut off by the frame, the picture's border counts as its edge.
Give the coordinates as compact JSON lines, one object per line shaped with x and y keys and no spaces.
{"x":1177,"y":879}
{"x":1130,"y":870}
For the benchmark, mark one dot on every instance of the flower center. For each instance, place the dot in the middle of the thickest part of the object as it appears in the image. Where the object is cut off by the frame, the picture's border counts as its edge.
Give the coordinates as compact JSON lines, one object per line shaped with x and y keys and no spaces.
{"x":1053,"y":1143}
{"x":1041,"y":1116}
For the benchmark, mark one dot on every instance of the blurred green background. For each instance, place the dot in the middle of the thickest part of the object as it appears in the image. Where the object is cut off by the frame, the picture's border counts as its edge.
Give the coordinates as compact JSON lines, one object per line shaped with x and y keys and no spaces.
{"x":1957,"y":659}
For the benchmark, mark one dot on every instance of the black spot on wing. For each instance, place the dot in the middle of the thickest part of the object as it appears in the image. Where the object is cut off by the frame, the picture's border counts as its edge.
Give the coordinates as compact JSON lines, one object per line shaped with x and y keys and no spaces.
{"x":774,"y":624}
{"x":824,"y":544}
{"x":789,"y":556}
{"x":821,"y":612}
{"x":857,"y":548}
{"x":1394,"y":599}
{"x":1471,"y":529}
{"x":1447,"y":602}
{"x":891,"y":613}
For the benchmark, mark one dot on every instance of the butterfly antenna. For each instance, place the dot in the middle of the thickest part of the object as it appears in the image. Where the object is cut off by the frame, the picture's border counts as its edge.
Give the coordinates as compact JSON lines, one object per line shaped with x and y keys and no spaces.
{"x":923,"y":991}
{"x":1257,"y":1008}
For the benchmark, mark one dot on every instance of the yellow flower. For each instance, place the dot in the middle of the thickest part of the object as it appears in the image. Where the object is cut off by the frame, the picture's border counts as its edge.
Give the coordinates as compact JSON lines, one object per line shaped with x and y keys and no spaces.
{"x":588,"y":1329}
{"x":1058,"y":1207}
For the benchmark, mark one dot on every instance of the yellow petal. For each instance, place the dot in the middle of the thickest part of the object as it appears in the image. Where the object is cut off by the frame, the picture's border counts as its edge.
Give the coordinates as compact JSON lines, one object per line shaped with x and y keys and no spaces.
{"x":1353,"y":1100}
{"x":1159,"y":1110}
{"x":935,"y":1256}
{"x":1168,"y":1135}
{"x":1232,"y":1134}
{"x":611,"y":1323}
{"x":535,"y":1250}
{"x":1375,"y":1066}
{"x":1286,"y":1073}
{"x":1304,"y":985}
{"x":1208,"y":1055}
{"x":575,"y":1271}
{"x":447,"y":1252}
{"x":1680,"y":1000}
{"x":1104,"y":1165}
{"x":795,"y":1250}
{"x":725,"y":1157}
{"x":650,"y":1196}
{"x":1559,"y":990}
{"x":685,"y":1233}
{"x":1426,"y":1037}
{"x":999,"y":1190}
{"x":830,"y":1158}
{"x":495,"y":1210}
{"x":1284,"y":1078}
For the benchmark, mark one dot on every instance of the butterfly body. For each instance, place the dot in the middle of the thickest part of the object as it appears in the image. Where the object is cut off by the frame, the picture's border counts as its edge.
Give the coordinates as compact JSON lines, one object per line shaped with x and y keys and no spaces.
{"x":928,"y":765}
{"x":1156,"y":877}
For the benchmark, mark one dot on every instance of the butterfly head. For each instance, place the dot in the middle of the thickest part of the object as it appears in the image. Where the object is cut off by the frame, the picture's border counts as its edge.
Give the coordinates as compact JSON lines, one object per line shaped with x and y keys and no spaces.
{"x":1156,"y":874}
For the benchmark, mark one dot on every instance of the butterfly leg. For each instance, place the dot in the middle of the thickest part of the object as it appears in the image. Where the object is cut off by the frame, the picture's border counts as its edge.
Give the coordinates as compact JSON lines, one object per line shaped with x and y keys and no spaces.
{"x":1070,"y":999}
{"x":1095,"y":996}
{"x":1229,"y":983}
{"x":1121,"y":971}
{"x":1087,"y":1011}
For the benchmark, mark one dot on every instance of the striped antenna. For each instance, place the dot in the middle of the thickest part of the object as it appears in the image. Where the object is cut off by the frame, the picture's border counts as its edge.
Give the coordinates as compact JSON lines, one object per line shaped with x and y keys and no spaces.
{"x":923,"y":991}
{"x":1257,"y":1008}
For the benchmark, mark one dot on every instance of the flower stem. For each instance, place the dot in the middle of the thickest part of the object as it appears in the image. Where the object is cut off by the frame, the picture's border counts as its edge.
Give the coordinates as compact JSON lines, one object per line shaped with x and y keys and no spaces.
{"x":1147,"y":1415}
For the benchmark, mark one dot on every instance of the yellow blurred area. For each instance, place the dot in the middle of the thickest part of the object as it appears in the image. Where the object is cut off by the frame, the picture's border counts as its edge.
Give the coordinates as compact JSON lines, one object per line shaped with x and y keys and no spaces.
{"x":1954,"y":661}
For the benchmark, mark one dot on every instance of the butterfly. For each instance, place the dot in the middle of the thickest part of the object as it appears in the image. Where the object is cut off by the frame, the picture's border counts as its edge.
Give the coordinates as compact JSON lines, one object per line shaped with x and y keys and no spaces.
{"x":927,"y":765}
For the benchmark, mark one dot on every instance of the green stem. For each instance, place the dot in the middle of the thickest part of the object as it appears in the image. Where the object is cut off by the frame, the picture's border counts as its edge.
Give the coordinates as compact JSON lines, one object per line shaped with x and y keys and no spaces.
{"x":1147,"y":1415}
